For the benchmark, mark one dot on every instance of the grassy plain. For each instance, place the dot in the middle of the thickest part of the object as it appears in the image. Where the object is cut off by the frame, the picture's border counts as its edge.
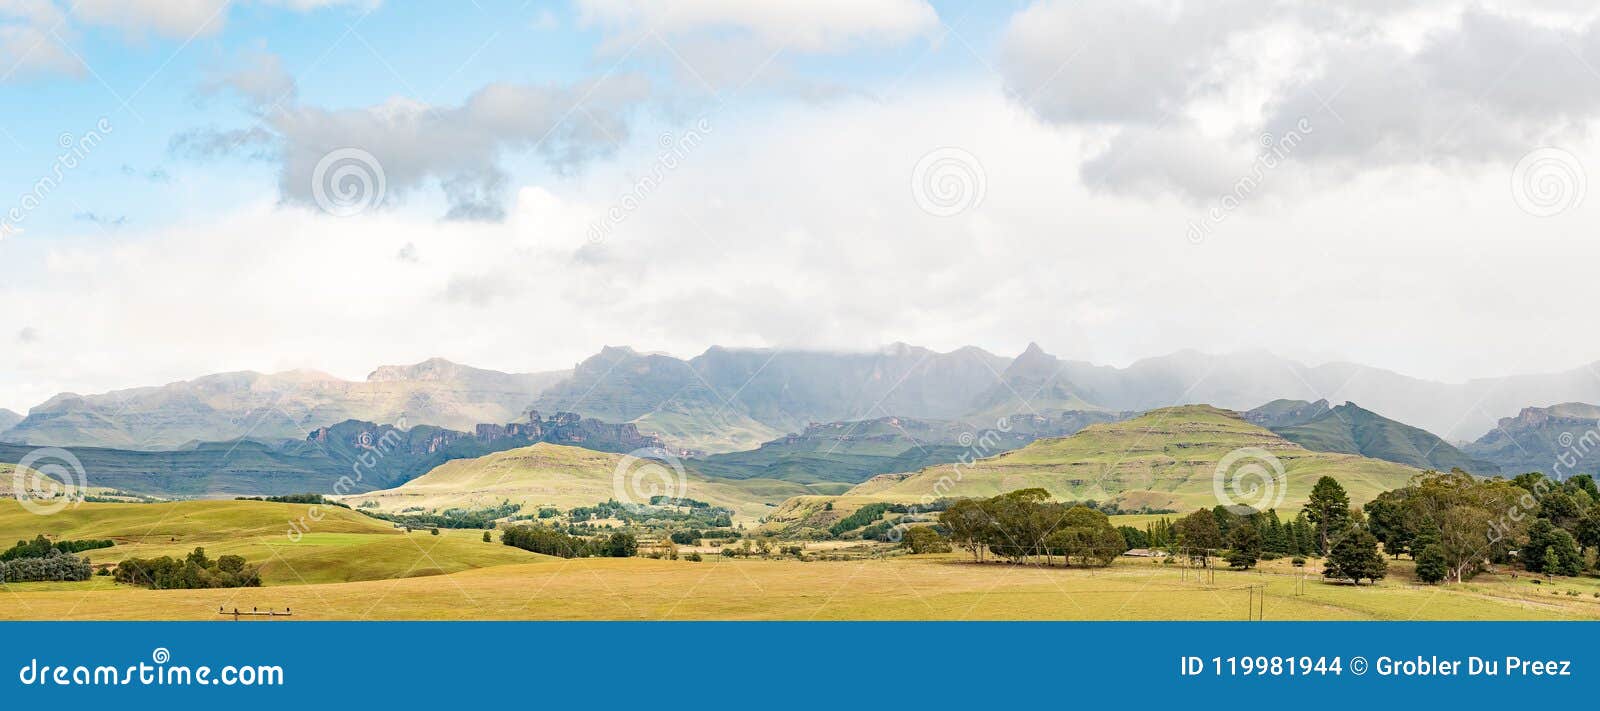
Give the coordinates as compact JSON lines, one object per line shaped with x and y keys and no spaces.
{"x":938,"y":587}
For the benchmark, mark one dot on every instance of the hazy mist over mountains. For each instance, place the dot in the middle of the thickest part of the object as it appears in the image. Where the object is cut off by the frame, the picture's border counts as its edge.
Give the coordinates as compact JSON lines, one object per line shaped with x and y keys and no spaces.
{"x":733,"y":399}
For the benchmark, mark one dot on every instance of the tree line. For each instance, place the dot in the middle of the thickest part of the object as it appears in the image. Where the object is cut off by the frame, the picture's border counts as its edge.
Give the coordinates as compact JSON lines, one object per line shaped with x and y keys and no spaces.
{"x":196,"y":570}
{"x":549,"y":541}
{"x":1025,"y":525}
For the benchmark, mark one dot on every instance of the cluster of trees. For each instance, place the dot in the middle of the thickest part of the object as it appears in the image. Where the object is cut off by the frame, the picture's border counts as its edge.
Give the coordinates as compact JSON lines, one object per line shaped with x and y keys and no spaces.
{"x":313,"y":499}
{"x":451,"y":518}
{"x":1455,"y":525}
{"x":1024,"y":525}
{"x":53,"y":565}
{"x":924,"y":539}
{"x":549,"y":541}
{"x":1327,"y":526}
{"x":41,"y":547}
{"x":195,"y":571}
{"x":660,"y":512}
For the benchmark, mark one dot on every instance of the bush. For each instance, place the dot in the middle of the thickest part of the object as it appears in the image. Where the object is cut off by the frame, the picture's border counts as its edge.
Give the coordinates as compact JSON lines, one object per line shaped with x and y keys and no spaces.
{"x":194,"y":571}
{"x":693,"y":557}
{"x":923,"y":539}
{"x":55,"y":566}
{"x":41,"y":547}
{"x":1431,"y":565}
{"x":1298,"y":561}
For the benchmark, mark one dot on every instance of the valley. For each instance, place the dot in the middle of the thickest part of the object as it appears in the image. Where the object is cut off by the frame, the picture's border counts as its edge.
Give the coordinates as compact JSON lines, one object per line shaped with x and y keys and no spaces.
{"x":754,"y":485}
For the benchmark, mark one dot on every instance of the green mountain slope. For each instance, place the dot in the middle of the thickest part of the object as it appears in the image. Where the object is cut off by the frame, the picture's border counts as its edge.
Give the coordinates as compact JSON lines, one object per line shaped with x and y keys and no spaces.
{"x":1164,"y":459}
{"x":549,"y":475}
{"x":855,"y":451}
{"x":1560,"y":440}
{"x":1350,"y":429}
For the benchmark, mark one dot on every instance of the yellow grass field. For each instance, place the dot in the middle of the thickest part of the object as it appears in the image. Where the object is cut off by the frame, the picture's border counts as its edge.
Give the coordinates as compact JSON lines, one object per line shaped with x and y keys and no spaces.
{"x":940,"y":587}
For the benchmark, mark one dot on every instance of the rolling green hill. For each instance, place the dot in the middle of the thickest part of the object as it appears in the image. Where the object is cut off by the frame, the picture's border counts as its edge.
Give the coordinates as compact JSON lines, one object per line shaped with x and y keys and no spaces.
{"x":1164,"y":459}
{"x":343,"y":545}
{"x":549,"y":475}
{"x":1349,"y":429}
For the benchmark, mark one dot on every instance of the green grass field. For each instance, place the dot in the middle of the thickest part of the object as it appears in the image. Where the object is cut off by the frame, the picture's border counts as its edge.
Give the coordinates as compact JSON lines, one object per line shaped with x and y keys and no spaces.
{"x":343,"y":546}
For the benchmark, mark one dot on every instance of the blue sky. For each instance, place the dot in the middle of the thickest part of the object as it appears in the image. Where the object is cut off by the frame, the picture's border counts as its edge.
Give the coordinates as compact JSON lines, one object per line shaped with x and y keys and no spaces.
{"x":1112,"y":179}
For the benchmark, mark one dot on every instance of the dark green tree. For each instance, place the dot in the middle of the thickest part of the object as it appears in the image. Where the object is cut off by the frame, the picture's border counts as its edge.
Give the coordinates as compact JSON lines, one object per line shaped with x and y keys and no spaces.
{"x":1329,"y":509}
{"x":1244,"y":546}
{"x":1355,"y":556}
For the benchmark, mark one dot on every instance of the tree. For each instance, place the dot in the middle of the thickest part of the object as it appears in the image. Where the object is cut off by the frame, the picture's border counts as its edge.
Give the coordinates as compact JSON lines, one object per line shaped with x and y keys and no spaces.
{"x":1329,"y":509}
{"x":1356,"y":556}
{"x":923,"y":539}
{"x":1199,"y":535}
{"x":1431,"y":565}
{"x":1245,"y":546}
{"x":621,"y":545}
{"x":1588,"y":531}
{"x":487,"y":538}
{"x":1551,"y":550}
{"x":1561,"y":509}
{"x":1386,"y":519}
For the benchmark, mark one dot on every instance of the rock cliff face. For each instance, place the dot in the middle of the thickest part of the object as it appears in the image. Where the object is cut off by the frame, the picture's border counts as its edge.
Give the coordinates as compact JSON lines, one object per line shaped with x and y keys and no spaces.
{"x":1560,"y":440}
{"x":562,"y":428}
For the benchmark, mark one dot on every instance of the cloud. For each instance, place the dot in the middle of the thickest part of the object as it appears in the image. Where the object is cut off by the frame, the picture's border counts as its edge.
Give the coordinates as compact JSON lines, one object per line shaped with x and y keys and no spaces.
{"x":1185,"y":91}
{"x":801,"y":25}
{"x":181,"y":19}
{"x":27,"y":46}
{"x":803,"y":229}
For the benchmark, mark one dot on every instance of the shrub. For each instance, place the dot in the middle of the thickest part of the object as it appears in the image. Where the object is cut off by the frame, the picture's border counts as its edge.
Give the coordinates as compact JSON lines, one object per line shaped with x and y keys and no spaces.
{"x":194,"y":571}
{"x":1298,"y":561}
{"x":55,"y":565}
{"x":923,"y":539}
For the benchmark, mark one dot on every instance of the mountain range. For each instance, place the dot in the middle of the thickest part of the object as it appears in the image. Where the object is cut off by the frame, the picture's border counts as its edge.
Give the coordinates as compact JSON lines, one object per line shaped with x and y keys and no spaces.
{"x":1351,"y":429}
{"x":845,"y":453}
{"x":1559,"y":440}
{"x":1164,"y":460}
{"x":8,"y":419}
{"x":280,"y":406}
{"x":727,"y":400}
{"x":347,"y":457}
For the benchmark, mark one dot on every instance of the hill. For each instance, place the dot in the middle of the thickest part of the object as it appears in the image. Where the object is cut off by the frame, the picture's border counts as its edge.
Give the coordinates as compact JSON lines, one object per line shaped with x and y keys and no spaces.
{"x":8,"y":419}
{"x":1350,"y":429}
{"x":853,"y":452}
{"x":364,"y":455}
{"x":563,"y":477}
{"x":280,"y":406}
{"x":1560,"y":440}
{"x":1164,"y":459}
{"x":342,"y":546}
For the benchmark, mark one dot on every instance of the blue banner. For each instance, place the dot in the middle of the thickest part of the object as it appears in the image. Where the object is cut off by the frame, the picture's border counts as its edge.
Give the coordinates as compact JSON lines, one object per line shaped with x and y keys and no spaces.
{"x":708,"y":665}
